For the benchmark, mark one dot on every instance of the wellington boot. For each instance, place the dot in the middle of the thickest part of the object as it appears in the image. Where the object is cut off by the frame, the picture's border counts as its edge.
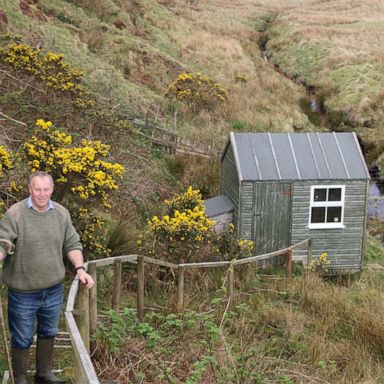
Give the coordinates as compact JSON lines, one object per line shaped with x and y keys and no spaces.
{"x":44,"y":355}
{"x":20,"y":365}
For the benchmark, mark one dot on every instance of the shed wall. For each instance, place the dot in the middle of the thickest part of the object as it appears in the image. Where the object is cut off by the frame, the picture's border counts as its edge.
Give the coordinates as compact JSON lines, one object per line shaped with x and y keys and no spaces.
{"x":343,"y":245}
{"x":265,"y":217}
{"x":230,"y":181}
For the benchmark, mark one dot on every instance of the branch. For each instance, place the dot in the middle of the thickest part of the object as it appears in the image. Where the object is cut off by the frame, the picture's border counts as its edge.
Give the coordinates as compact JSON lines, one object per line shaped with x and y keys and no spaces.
{"x":14,"y":120}
{"x":20,"y":81}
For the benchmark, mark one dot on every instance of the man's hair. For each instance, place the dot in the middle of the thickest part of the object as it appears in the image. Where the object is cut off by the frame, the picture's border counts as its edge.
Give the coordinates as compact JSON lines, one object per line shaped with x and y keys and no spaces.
{"x":40,"y":174}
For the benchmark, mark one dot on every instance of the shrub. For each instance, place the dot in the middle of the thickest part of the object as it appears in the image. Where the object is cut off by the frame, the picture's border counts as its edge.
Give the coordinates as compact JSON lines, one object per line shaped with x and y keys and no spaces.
{"x":81,"y":174}
{"x":185,"y":234}
{"x":197,"y":91}
{"x":50,"y":68}
{"x":80,"y":170}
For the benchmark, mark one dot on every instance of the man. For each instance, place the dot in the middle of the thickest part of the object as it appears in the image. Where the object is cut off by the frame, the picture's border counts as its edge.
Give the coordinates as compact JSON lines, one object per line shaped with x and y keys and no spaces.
{"x":42,"y":233}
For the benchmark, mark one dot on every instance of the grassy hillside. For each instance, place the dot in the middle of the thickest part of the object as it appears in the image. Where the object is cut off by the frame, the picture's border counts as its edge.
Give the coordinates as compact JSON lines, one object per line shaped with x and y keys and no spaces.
{"x":335,"y":47}
{"x":305,"y":331}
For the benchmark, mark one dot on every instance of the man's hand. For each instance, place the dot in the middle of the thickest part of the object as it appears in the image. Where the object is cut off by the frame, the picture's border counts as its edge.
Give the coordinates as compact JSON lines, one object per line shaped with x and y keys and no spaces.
{"x":85,"y":278}
{"x":2,"y":256}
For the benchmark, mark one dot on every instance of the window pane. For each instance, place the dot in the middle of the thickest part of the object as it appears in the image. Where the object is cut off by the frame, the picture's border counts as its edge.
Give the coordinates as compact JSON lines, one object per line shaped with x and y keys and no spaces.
{"x":320,"y":194}
{"x":334,"y":194}
{"x":334,"y":215}
{"x":318,"y":215}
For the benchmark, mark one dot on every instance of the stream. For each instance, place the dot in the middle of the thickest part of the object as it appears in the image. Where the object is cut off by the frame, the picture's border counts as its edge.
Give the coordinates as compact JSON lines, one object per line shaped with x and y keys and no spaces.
{"x":313,"y":108}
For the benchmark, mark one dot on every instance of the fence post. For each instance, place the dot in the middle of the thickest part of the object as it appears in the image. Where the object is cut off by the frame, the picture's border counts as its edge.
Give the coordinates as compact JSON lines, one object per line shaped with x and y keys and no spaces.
{"x":309,"y":256}
{"x":289,"y":263}
{"x":140,"y":287}
{"x":83,"y":315}
{"x":231,"y":272}
{"x":117,"y":266}
{"x":180,"y":289}
{"x":92,"y":306}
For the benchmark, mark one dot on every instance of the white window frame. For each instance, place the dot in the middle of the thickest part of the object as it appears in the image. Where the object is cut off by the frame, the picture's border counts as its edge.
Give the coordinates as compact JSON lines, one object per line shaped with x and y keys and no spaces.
{"x":326,"y":204}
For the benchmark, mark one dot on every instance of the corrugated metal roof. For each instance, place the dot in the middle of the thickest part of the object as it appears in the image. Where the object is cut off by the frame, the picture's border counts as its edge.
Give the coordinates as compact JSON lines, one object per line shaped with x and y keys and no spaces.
{"x":298,"y":156}
{"x":218,"y":205}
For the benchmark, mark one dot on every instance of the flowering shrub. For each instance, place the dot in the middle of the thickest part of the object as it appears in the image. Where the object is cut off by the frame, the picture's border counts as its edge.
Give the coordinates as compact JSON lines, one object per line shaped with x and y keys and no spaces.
{"x":82,"y":168}
{"x":91,"y":227}
{"x":81,"y":173}
{"x":185,"y":220}
{"x":321,"y":264}
{"x":51,"y":69}
{"x":6,"y":164}
{"x":5,"y":160}
{"x":197,"y":91}
{"x":186,"y":234}
{"x":229,"y":247}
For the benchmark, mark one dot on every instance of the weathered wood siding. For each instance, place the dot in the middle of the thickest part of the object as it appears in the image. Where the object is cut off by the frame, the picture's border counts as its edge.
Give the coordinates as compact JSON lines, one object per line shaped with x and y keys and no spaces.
{"x":343,"y":245}
{"x":272,"y":216}
{"x":230,"y":182}
{"x":246,"y":210}
{"x":265,"y":216}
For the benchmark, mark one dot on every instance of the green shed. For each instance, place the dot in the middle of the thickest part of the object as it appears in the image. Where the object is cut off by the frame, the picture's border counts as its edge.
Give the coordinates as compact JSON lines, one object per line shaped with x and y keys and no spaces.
{"x":286,"y":187}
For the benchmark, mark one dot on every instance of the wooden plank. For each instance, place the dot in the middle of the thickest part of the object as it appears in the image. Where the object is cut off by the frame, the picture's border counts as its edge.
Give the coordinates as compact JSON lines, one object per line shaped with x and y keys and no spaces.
{"x":161,"y":263}
{"x":140,"y":287}
{"x":117,"y":268}
{"x":83,"y":315}
{"x":84,"y":371}
{"x":180,"y":289}
{"x":213,"y":264}
{"x":289,"y":264}
{"x":231,"y":272}
{"x":92,"y":307}
{"x":5,"y":377}
{"x":72,"y":295}
{"x":110,"y":260}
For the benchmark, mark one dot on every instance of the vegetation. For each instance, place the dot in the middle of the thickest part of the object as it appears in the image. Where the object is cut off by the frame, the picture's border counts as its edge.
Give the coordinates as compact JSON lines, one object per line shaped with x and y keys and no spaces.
{"x":94,"y":68}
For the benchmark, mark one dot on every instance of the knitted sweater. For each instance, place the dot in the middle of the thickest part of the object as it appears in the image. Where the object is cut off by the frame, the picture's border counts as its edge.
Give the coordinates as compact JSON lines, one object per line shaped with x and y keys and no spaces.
{"x":41,"y":239}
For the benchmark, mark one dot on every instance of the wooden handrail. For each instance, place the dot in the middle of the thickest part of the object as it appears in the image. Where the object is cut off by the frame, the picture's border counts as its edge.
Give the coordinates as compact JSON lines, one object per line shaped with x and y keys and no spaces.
{"x":87,"y":313}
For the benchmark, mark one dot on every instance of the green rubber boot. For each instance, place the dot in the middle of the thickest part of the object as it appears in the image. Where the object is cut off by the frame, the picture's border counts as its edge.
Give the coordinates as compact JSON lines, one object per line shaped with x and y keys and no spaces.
{"x":20,"y":365}
{"x":44,"y":355}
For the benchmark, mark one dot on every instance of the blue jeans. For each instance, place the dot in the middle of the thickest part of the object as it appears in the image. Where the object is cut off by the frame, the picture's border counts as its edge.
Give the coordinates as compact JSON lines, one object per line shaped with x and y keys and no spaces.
{"x":25,"y":307}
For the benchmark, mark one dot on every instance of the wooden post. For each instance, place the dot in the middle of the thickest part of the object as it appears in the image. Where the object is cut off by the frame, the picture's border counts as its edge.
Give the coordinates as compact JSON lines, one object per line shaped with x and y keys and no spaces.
{"x":117,"y":266}
{"x":83,"y":315}
{"x":309,"y":256}
{"x":231,"y":272}
{"x":180,"y":289}
{"x":140,"y":287}
{"x":92,"y":306}
{"x":289,"y":263}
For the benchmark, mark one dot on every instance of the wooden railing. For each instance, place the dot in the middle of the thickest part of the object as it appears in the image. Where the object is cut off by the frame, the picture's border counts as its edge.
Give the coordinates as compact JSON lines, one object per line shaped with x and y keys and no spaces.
{"x":82,"y":320}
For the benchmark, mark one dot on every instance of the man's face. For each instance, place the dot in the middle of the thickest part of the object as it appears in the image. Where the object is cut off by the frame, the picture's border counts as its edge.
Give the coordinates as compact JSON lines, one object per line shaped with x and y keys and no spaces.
{"x":41,"y":191}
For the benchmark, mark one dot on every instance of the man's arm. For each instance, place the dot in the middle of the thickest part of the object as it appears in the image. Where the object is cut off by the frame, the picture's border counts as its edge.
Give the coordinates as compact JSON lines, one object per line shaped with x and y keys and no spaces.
{"x":76,"y":258}
{"x":2,"y":256}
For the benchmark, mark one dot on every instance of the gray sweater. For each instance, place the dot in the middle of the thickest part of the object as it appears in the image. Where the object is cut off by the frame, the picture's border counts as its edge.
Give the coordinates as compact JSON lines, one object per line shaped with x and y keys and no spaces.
{"x":40,"y":239}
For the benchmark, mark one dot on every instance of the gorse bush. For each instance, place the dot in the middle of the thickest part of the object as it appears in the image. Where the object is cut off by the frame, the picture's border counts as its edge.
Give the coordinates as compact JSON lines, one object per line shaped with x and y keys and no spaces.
{"x":50,"y":68}
{"x":197,"y":91}
{"x":321,"y":264}
{"x":6,"y":162}
{"x":185,"y":234}
{"x":82,"y":169}
{"x":82,"y":174}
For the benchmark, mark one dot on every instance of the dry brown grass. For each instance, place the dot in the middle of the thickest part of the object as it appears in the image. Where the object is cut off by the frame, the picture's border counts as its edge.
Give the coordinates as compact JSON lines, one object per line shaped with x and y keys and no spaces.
{"x":307,"y":330}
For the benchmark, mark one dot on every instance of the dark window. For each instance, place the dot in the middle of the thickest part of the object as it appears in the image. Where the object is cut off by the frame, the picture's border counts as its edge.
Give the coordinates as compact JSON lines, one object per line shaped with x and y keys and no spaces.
{"x":327,"y":206}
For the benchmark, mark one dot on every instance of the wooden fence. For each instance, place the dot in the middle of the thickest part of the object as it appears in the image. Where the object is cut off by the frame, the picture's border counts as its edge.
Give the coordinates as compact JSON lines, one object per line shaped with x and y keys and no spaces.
{"x":82,"y":320}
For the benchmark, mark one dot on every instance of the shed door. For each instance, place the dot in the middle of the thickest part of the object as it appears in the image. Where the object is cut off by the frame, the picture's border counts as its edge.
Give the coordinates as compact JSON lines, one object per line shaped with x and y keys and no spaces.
{"x":272,"y":216}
